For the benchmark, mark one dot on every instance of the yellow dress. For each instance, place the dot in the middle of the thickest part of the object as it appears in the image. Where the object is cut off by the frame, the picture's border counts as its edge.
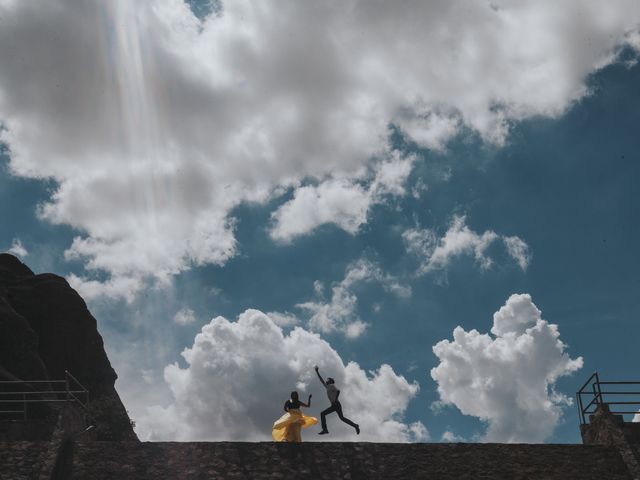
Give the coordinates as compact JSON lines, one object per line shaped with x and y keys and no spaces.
{"x":287,"y":427}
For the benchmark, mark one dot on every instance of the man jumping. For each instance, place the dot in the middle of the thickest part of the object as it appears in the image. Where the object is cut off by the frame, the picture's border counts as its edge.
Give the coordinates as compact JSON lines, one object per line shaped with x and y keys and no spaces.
{"x":333,"y":393}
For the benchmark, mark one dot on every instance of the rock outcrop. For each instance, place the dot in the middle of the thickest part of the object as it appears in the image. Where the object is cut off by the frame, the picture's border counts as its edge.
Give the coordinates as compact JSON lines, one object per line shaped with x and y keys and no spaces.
{"x":45,"y":329}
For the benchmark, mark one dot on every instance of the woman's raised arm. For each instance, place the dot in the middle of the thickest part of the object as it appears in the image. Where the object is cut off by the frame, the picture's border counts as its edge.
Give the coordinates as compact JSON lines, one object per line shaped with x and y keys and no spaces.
{"x":308,"y":404}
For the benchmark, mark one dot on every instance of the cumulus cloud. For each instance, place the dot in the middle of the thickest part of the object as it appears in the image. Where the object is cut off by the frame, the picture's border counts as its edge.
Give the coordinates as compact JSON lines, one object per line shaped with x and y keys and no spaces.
{"x":18,"y":249}
{"x":436,"y":253}
{"x":340,"y":312}
{"x":508,"y":379}
{"x":185,"y":316}
{"x":155,"y":125}
{"x":238,"y":375}
{"x":342,"y":202}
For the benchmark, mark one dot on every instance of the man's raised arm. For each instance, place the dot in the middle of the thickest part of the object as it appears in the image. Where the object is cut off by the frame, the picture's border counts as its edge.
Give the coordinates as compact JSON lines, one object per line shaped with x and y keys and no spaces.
{"x":319,"y":376}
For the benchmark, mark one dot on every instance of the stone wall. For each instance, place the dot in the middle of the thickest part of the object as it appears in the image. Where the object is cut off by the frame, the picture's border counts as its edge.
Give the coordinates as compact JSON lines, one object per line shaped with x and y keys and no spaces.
{"x":631,"y":432}
{"x":605,"y":428}
{"x":230,"y":460}
{"x":21,"y":460}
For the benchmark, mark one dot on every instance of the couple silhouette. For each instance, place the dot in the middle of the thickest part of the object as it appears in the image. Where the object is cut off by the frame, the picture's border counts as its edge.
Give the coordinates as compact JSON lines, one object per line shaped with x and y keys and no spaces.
{"x":288,"y":428}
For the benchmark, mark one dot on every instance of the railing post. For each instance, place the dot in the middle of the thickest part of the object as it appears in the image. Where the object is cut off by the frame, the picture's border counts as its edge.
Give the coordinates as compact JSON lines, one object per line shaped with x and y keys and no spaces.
{"x":583,"y":391}
{"x":24,"y":406}
{"x":66,"y":384}
{"x":579,"y":398}
{"x":599,"y":389}
{"x":84,"y":410}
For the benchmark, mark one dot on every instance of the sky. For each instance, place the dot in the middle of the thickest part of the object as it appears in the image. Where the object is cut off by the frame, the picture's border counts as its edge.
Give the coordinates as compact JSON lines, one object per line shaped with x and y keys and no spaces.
{"x":435,"y":202}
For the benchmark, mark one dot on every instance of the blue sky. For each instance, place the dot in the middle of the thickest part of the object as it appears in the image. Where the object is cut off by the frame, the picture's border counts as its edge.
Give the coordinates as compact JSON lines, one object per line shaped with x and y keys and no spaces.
{"x":363,"y":247}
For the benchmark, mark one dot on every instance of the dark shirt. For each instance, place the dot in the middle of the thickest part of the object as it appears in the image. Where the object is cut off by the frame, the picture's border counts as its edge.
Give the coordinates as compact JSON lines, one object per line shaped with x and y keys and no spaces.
{"x":289,"y":404}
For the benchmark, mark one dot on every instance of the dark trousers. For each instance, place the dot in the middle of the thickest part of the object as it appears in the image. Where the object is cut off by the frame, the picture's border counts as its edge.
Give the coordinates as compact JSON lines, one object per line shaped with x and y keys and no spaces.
{"x":336,"y":407}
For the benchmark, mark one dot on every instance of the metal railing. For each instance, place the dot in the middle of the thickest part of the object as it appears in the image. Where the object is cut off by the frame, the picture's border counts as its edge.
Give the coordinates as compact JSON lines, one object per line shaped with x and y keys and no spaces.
{"x":17,"y":395}
{"x":597,"y":392}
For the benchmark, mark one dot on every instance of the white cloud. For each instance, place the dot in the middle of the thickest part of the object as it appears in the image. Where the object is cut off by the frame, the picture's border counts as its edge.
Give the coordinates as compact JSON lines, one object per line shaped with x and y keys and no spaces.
{"x":450,"y":437}
{"x":116,"y":288}
{"x":18,"y":249}
{"x":185,"y":316}
{"x":156,"y":126}
{"x":436,"y":253}
{"x":355,"y":329}
{"x":283,"y":319}
{"x":518,"y":250}
{"x":515,"y":316}
{"x":419,"y":188}
{"x":508,"y":380}
{"x":419,"y":432}
{"x":431,"y":129}
{"x":340,"y":312}
{"x":342,"y":202}
{"x":460,"y":240}
{"x":239,"y":374}
{"x":391,"y":176}
{"x":420,"y":243}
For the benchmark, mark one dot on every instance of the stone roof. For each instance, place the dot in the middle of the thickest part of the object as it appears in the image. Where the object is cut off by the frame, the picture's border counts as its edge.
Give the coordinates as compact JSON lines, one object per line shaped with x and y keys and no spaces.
{"x":267,"y":460}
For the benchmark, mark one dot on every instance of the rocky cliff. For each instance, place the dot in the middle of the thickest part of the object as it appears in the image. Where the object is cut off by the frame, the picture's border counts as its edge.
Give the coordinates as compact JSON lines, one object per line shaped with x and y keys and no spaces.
{"x":45,"y":329}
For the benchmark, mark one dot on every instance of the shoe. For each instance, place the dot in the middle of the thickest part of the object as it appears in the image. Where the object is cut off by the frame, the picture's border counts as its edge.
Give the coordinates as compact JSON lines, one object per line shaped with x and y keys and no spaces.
{"x":357,"y":429}
{"x":323,"y":432}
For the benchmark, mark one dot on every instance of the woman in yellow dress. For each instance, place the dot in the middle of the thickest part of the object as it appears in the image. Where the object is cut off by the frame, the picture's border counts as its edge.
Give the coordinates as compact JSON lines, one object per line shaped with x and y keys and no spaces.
{"x":288,"y":427}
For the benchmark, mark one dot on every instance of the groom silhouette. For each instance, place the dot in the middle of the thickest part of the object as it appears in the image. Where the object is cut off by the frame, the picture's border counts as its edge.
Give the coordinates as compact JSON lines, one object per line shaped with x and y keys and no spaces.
{"x":333,"y":393}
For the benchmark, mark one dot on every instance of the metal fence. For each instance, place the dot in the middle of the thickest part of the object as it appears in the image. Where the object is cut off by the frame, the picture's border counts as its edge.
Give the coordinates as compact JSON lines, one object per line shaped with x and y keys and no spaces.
{"x":623,"y":398}
{"x":17,"y":395}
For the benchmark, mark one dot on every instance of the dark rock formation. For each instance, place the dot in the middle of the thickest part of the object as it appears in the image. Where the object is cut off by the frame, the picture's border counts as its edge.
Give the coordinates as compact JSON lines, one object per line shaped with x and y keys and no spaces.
{"x":45,"y":329}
